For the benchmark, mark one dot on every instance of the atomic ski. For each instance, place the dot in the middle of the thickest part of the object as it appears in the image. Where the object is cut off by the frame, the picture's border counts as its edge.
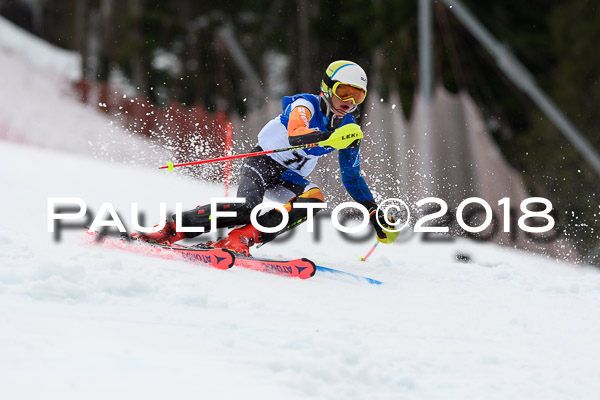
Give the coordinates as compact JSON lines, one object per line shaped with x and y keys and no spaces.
{"x":217,"y":258}
{"x":300,"y":268}
{"x":203,"y":254}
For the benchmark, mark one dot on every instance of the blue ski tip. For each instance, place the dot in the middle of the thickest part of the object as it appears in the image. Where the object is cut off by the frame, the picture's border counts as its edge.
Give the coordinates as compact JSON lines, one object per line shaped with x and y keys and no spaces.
{"x":358,"y":277}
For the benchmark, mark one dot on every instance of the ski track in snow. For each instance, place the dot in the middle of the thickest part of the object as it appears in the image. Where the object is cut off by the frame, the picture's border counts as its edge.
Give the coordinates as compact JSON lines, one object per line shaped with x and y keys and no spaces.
{"x":94,"y":322}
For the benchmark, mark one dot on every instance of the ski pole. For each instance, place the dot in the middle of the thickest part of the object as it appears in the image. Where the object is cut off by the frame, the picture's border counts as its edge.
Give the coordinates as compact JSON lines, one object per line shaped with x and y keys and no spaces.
{"x":370,"y":251}
{"x":170,"y":166}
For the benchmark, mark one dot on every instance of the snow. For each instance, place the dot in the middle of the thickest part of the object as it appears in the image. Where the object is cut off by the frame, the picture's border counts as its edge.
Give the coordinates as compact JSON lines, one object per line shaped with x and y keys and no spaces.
{"x":79,"y":321}
{"x":91,"y":322}
{"x":39,"y":105}
{"x":38,"y":52}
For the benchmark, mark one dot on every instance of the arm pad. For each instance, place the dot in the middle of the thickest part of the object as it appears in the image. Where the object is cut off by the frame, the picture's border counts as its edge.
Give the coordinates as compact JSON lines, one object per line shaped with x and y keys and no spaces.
{"x":312,"y":137}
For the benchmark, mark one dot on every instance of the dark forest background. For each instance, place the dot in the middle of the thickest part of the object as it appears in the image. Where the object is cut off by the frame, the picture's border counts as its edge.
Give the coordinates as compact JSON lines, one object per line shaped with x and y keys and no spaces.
{"x":557,"y":40}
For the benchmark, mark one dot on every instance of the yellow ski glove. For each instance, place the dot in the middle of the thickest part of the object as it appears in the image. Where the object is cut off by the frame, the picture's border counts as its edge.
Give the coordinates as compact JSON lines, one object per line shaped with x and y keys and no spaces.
{"x":343,"y":137}
{"x":384,"y":235}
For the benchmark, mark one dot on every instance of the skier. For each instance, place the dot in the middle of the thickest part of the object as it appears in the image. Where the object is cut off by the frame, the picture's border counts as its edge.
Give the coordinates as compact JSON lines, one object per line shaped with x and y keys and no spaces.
{"x":306,"y":118}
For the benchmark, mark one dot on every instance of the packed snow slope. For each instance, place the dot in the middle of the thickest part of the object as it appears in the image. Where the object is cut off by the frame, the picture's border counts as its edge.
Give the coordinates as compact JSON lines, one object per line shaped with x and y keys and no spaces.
{"x":88,"y":322}
{"x":39,"y":106}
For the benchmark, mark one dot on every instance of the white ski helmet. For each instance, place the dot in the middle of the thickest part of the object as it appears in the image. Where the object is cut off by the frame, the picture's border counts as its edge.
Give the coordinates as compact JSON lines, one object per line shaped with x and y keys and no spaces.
{"x":345,"y":80}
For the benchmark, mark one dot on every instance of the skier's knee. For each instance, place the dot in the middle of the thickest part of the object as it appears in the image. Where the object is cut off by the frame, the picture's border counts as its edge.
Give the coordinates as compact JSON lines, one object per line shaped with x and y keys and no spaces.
{"x":312,"y":195}
{"x":274,"y":216}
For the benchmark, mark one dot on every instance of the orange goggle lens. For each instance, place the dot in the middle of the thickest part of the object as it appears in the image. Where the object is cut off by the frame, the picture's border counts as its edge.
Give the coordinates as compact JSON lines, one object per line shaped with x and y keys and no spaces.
{"x":348,"y":92}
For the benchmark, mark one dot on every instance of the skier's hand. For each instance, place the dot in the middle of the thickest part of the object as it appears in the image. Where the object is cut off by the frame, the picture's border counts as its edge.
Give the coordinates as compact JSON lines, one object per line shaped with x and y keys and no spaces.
{"x":385,"y":233}
{"x":343,"y":137}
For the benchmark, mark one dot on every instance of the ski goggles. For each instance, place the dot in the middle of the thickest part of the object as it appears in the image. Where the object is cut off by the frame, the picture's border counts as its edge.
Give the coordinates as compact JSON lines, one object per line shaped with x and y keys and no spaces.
{"x":345,"y":92}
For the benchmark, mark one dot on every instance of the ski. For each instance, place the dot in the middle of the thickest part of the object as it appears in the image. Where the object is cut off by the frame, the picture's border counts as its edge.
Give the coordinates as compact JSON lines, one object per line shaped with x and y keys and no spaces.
{"x":200,"y":253}
{"x":217,"y":258}
{"x":300,"y":268}
{"x":339,"y":273}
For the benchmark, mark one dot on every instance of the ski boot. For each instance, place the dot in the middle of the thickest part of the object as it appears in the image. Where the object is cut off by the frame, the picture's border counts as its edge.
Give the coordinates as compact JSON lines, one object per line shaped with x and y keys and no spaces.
{"x":167,"y":235}
{"x":239,"y":240}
